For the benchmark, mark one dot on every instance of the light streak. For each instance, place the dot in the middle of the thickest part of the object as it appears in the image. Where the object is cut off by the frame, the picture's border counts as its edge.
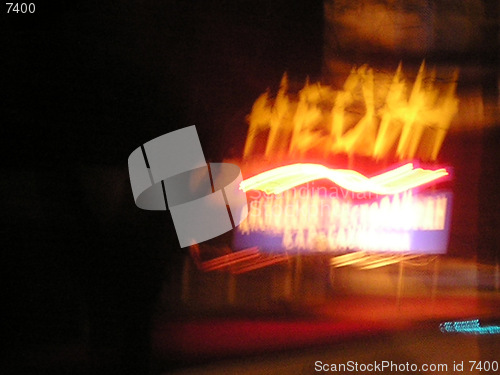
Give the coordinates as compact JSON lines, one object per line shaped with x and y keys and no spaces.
{"x":367,"y":261}
{"x":238,"y":262}
{"x":395,"y":181}
{"x":261,"y":262}
{"x":472,"y":327}
{"x":223,"y":261}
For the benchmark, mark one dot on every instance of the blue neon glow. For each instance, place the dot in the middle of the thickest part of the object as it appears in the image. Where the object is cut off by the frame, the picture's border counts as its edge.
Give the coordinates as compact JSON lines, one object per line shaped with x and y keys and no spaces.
{"x":472,"y":327}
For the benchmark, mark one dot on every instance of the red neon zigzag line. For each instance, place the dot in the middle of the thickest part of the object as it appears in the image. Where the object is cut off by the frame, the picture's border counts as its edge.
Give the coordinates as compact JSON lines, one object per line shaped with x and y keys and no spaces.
{"x":394,"y":181}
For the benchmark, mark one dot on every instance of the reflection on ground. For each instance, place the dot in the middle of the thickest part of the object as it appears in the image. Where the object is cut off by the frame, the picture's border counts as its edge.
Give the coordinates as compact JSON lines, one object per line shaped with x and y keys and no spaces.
{"x":285,"y":317}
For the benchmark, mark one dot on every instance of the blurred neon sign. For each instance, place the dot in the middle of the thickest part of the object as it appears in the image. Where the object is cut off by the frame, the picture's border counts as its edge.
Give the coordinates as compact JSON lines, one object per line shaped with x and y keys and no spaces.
{"x":472,"y":327}
{"x":395,"y":181}
{"x":379,"y":213}
{"x":283,"y":216}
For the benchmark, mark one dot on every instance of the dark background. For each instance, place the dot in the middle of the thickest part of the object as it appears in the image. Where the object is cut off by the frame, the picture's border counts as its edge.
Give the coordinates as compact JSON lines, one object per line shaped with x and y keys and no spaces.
{"x":84,"y":84}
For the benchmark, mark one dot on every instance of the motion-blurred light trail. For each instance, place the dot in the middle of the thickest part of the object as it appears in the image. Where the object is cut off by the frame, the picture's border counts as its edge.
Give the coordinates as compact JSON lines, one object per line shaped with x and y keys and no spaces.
{"x":395,"y":181}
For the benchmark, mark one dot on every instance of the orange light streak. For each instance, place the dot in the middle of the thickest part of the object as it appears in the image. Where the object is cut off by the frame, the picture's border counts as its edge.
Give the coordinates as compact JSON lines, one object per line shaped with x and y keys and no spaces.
{"x":263,"y":261}
{"x":368,"y":261}
{"x":223,"y":261}
{"x":395,"y":181}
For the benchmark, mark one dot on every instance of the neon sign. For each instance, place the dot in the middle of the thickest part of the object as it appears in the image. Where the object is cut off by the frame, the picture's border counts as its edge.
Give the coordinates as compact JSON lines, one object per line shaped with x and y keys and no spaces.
{"x":394,"y":119}
{"x":310,"y":220}
{"x":473,"y":327}
{"x":395,"y":181}
{"x":387,"y":212}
